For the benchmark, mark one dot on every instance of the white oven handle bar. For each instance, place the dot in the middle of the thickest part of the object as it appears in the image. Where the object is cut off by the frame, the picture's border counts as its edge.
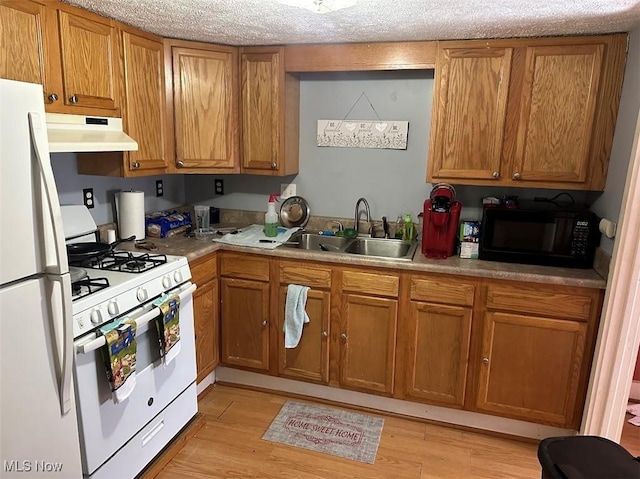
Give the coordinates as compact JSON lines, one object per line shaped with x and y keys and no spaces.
{"x":142,"y":322}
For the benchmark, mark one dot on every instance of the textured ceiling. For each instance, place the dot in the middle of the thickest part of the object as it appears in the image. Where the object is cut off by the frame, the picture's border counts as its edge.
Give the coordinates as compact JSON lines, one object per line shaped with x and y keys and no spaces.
{"x":267,"y":22}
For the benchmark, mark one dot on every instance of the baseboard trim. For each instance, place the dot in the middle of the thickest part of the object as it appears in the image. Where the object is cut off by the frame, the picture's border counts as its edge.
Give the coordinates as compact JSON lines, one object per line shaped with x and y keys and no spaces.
{"x":438,"y":414}
{"x":208,"y":380}
{"x":634,"y":393}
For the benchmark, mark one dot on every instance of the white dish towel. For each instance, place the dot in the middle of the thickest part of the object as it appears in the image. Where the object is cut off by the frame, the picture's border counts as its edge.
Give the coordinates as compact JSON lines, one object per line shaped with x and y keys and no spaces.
{"x":294,"y":314}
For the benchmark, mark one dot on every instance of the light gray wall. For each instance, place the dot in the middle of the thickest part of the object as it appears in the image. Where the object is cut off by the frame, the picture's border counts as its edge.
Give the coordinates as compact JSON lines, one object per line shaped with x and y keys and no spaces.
{"x":332,"y":179}
{"x":70,"y":185}
{"x":609,"y":203}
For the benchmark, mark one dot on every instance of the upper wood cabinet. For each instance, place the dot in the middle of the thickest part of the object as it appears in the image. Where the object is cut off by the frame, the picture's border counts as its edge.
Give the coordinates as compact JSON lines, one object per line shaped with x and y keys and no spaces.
{"x":144,"y":111}
{"x":72,"y":52}
{"x":528,"y":113}
{"x":270,"y":104}
{"x":205,"y":85}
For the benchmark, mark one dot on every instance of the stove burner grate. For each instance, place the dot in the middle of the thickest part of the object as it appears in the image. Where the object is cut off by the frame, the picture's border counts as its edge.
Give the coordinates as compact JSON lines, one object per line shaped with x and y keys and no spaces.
{"x":127,"y":262}
{"x":86,"y":286}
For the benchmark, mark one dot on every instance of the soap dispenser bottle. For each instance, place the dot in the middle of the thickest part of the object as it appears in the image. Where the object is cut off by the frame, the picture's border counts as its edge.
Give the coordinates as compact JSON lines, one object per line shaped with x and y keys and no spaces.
{"x":271,"y":218}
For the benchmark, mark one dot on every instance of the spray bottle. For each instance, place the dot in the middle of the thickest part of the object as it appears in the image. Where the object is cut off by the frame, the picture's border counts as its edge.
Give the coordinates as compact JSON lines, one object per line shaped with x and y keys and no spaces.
{"x":271,"y":217}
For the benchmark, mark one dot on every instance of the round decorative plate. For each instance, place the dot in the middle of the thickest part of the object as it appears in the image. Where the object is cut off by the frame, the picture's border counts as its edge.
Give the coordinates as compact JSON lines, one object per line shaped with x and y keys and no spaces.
{"x":294,"y":212}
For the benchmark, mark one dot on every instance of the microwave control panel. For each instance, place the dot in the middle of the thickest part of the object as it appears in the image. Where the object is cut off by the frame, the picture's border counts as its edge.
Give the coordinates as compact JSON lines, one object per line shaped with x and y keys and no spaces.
{"x":580,"y":240}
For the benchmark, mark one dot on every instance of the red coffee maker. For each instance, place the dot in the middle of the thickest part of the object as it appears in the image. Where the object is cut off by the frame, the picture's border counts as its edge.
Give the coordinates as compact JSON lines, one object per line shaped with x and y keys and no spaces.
{"x":440,"y":222}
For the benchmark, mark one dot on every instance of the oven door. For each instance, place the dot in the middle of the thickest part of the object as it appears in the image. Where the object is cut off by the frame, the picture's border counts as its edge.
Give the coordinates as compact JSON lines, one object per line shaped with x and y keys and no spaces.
{"x":106,"y":426}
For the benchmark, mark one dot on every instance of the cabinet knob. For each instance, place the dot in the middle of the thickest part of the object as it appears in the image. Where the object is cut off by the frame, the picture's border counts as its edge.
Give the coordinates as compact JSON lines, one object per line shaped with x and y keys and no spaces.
{"x":53,"y":97}
{"x":180,"y":164}
{"x":343,"y":337}
{"x":495,"y":174}
{"x":136,"y":165}
{"x":264,"y":323}
{"x":485,"y":360}
{"x":516,"y":176}
{"x":324,"y":334}
{"x":274,"y":165}
{"x":74,"y":99}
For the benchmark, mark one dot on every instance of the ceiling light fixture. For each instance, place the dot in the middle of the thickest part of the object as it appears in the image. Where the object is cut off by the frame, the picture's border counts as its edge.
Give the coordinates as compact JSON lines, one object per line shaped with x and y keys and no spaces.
{"x":320,"y":6}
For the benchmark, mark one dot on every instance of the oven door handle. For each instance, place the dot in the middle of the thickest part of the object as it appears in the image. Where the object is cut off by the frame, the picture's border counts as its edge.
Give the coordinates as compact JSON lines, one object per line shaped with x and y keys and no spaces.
{"x":142,"y":323}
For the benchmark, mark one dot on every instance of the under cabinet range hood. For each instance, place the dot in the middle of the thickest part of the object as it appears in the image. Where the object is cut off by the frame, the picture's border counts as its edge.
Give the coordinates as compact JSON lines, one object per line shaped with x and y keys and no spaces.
{"x":79,"y":133}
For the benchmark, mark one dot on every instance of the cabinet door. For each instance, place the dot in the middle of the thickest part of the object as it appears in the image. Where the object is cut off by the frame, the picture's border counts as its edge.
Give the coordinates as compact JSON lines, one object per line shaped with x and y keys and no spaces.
{"x":469,"y":113}
{"x":205,"y":311}
{"x":438,"y":352}
{"x":530,"y":368}
{"x":204,"y":109}
{"x":557,"y":112}
{"x":245,"y":323}
{"x":145,"y":105}
{"x":90,"y":60}
{"x":260,"y":73}
{"x":368,"y":338}
{"x":310,"y":359}
{"x":21,"y":41}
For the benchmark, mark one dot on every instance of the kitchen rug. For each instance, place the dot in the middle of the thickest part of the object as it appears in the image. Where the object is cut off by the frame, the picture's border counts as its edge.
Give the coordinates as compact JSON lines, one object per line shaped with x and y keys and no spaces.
{"x":323,"y":429}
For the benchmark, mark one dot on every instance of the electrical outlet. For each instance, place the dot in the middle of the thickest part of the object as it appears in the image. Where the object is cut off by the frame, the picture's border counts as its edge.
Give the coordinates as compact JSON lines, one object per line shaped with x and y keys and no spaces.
{"x":287,"y":190}
{"x":159,"y":188}
{"x":218,"y":185}
{"x":87,"y":198}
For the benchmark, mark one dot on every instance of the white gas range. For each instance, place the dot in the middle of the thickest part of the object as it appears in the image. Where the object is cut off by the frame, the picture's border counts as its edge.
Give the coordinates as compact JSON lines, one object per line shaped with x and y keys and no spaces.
{"x":118,"y":439}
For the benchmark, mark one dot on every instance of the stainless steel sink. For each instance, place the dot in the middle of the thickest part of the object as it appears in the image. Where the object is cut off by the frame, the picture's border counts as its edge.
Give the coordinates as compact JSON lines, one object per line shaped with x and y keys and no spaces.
{"x":376,"y":247}
{"x":316,"y":242}
{"x":384,"y":248}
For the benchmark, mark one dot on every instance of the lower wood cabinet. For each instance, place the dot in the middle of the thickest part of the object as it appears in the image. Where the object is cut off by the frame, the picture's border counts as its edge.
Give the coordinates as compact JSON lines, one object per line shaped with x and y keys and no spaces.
{"x":537,"y":346}
{"x":506,"y":348}
{"x":368,"y":320}
{"x":309,"y":360}
{"x":244,"y":294}
{"x":206,"y":303}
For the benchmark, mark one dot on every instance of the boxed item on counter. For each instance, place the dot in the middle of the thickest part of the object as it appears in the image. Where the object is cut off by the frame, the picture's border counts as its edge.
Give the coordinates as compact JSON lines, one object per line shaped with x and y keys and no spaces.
{"x":162,"y":224}
{"x":469,"y":239}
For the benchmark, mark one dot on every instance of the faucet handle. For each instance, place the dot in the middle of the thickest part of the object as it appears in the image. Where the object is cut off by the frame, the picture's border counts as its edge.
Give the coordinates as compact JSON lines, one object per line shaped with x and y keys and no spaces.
{"x":340,"y":225}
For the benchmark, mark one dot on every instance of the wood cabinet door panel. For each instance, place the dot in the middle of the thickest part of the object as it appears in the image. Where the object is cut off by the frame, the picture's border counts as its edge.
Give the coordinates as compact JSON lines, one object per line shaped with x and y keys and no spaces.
{"x":471,"y":95}
{"x":205,"y":310}
{"x":368,"y":337}
{"x":21,"y":41}
{"x":145,"y":111}
{"x":260,"y":73}
{"x":245,"y":323}
{"x":531,"y":367}
{"x":203,"y":108}
{"x":89,"y":56}
{"x":560,"y":92}
{"x":310,"y":359}
{"x":438,"y":352}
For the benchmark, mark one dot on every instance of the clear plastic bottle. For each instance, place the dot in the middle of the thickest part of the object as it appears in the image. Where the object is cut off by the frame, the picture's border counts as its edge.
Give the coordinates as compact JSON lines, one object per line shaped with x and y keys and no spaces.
{"x":399,"y":227}
{"x":271,"y":218}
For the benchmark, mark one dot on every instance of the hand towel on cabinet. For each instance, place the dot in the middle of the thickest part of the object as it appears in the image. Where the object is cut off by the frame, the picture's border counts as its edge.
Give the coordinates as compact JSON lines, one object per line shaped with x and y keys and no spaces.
{"x":294,"y":314}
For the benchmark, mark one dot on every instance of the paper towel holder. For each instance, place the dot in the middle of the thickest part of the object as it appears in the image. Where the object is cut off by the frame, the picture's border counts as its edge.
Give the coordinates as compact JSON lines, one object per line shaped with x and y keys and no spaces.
{"x":140,"y":231}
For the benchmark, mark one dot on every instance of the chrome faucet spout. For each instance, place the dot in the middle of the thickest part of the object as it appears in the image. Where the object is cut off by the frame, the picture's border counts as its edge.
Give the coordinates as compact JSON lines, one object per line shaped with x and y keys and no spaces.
{"x":356,"y":222}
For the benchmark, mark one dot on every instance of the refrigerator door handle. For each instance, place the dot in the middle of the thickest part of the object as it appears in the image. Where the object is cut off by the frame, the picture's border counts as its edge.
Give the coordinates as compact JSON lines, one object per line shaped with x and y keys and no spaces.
{"x":40,"y":146}
{"x":63,"y":329}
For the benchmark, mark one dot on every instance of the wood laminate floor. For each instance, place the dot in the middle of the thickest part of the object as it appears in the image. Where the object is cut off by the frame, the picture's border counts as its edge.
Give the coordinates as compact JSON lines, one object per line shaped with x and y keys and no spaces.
{"x":630,"y":437}
{"x":229,"y":445}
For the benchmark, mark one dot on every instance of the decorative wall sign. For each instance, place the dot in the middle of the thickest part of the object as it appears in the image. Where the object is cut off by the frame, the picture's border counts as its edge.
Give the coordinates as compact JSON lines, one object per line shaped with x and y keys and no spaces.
{"x":363,"y":134}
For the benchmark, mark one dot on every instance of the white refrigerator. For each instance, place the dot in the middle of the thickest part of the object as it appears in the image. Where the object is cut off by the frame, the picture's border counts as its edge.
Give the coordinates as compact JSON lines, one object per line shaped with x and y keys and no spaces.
{"x":38,"y":425}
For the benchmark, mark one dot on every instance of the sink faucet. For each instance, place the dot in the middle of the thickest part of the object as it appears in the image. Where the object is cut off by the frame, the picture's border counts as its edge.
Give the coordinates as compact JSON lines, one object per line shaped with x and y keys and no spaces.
{"x":356,"y":222}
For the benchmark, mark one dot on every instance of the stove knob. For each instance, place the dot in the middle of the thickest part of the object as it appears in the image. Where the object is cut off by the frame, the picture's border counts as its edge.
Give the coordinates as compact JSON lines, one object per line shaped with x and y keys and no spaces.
{"x":177,"y":277}
{"x":142,"y":294}
{"x":96,"y":317}
{"x":112,"y":308}
{"x":166,"y":282}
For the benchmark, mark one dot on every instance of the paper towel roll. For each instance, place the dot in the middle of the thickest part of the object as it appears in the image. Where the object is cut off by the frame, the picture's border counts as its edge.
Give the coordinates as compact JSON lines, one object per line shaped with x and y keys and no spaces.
{"x":130,"y":209}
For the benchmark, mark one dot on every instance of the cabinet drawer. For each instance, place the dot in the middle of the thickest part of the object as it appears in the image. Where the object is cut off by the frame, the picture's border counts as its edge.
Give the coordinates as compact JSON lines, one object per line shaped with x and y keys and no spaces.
{"x":204,"y":269}
{"x":245,"y":267}
{"x":559,"y":301}
{"x":371,"y":283}
{"x":313,"y":276}
{"x":445,"y":292}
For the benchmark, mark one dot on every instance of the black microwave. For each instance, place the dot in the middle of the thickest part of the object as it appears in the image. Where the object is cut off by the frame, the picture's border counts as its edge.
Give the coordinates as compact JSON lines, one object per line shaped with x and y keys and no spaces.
{"x":543,"y":235}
